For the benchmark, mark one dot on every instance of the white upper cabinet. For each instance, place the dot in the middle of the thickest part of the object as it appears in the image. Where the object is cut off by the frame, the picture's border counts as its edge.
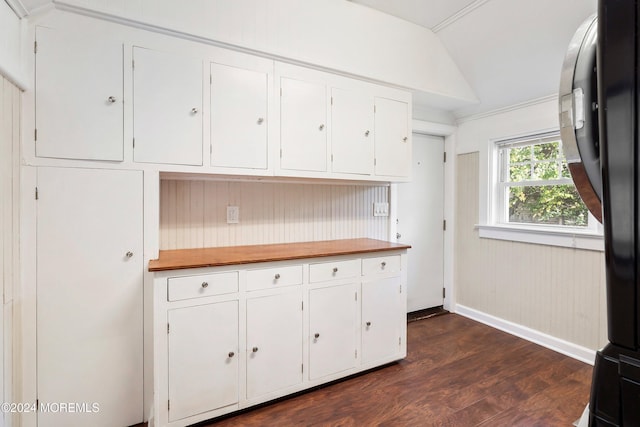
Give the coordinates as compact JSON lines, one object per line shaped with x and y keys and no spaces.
{"x":392,"y":138}
{"x":352,"y":132}
{"x":167,"y":108}
{"x":78,"y":97}
{"x":303,"y":130}
{"x":239,"y":117}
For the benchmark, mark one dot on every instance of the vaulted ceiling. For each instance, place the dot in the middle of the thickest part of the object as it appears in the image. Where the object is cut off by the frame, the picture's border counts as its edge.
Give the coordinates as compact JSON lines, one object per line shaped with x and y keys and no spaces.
{"x":509,"y":51}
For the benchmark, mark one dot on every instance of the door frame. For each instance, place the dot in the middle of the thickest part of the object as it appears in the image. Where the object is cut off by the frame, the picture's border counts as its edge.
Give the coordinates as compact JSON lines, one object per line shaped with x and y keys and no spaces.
{"x":448,"y":133}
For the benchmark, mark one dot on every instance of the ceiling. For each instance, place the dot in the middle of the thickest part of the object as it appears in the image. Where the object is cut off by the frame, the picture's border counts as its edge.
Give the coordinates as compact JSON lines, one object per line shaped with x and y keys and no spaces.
{"x":509,"y":51}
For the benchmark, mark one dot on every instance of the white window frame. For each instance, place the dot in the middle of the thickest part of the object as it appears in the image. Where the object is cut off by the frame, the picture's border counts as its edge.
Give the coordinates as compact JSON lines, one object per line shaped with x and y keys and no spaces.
{"x":497,"y":226}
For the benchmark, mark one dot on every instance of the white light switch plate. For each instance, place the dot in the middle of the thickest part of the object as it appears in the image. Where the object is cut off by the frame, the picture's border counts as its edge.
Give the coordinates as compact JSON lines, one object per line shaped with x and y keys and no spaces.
{"x":380,"y":209}
{"x":233,"y":214}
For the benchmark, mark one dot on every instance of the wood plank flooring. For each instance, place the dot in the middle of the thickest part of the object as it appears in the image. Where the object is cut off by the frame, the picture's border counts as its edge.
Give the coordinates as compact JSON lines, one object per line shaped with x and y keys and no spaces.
{"x":457,"y":373}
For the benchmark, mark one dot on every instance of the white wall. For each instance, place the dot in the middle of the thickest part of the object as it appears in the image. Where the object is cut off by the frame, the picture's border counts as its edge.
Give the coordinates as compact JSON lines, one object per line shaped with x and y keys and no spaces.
{"x":9,"y":222}
{"x":333,"y":34}
{"x":10,"y":32}
{"x":554,"y":292}
{"x":193,"y":213}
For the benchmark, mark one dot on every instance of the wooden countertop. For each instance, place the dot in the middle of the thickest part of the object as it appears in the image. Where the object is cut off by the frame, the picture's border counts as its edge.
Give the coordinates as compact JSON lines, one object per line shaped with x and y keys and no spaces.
{"x":215,"y":257}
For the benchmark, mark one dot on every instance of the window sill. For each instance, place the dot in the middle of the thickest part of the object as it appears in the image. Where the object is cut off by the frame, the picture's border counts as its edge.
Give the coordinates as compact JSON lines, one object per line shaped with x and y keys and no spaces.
{"x":577,"y":239}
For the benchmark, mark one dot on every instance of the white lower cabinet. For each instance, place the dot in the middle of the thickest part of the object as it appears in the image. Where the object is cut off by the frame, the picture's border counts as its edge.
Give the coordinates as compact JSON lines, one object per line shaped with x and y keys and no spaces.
{"x":274,"y":343}
{"x":381,"y":327}
{"x":332,"y":329}
{"x":203,"y":358}
{"x":240,"y":335}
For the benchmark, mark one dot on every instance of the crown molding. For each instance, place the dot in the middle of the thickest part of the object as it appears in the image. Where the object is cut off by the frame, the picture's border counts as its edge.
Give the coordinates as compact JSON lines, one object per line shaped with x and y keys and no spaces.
{"x":458,"y":15}
{"x":529,"y":103}
{"x":18,"y":8}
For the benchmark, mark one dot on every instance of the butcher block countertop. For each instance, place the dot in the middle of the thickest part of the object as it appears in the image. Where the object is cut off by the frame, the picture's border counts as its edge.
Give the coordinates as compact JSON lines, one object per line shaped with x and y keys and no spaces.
{"x":230,"y":255}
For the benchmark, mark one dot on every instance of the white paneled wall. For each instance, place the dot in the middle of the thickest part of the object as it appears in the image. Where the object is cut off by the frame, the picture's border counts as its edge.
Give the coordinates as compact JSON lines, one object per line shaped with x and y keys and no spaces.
{"x":193,"y":214}
{"x":9,"y":214}
{"x":554,"y":290}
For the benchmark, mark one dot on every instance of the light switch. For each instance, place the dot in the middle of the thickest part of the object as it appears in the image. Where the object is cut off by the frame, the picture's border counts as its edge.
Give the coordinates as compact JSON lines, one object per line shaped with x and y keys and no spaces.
{"x":233,"y":214}
{"x":380,"y":209}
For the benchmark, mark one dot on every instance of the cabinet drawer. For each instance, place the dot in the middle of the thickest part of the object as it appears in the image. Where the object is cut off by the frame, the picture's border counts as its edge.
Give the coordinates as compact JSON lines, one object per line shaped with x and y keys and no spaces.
{"x":383,"y":264}
{"x":324,"y":271}
{"x":266,"y":278}
{"x":205,"y":285}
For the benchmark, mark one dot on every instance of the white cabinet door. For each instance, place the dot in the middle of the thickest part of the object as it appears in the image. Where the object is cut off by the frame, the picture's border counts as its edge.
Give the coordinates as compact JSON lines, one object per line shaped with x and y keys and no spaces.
{"x":392,"y":138}
{"x":332,"y":329}
{"x":89,"y":294}
{"x":352,"y":133}
{"x":78,"y":97}
{"x":274,"y":343}
{"x":382,"y":317}
{"x":203,"y":359}
{"x":167,"y":108}
{"x":238,"y":117}
{"x":303,"y":125}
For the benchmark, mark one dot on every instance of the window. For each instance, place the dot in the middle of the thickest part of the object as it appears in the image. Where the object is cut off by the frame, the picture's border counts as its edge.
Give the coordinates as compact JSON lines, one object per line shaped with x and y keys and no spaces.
{"x":533,"y":198}
{"x":535,"y":186}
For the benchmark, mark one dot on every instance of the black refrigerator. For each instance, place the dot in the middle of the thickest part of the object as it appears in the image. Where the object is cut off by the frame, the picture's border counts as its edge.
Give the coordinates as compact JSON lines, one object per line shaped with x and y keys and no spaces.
{"x":599,"y":117}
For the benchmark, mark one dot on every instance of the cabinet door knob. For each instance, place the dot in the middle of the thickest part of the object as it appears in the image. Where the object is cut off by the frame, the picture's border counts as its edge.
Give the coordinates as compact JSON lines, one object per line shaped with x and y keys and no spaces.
{"x":205,"y":284}
{"x":321,"y":127}
{"x":366,"y":133}
{"x":254,"y":349}
{"x":194,"y":110}
{"x":129,"y":254}
{"x":277,"y":276}
{"x":335,"y":270}
{"x":112,"y":99}
{"x":316,"y":335}
{"x":405,"y":139}
{"x":383,"y":264}
{"x":231,"y":354}
{"x":368,"y":324}
{"x":260,"y":120}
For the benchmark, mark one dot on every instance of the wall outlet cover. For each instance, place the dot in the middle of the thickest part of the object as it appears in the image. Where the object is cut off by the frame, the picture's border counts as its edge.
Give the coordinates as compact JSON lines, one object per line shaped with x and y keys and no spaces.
{"x":233,"y":214}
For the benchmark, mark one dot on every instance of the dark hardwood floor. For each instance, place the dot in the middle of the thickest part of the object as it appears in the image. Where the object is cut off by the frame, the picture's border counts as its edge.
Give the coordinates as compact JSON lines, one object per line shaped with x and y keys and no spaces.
{"x":457,"y":373}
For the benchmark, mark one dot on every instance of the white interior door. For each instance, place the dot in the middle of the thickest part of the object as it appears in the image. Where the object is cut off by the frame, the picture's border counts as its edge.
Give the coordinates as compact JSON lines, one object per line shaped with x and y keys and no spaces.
{"x":89,"y":295}
{"x":420,"y":219}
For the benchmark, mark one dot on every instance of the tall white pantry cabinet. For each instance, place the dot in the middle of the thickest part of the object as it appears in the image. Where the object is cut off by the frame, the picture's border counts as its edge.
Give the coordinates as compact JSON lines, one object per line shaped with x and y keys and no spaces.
{"x":111,"y":111}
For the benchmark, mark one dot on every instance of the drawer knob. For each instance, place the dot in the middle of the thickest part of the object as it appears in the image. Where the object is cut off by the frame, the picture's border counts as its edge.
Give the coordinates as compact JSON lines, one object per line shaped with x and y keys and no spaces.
{"x":383,"y":264}
{"x":321,"y":127}
{"x":254,"y":349}
{"x":277,"y":276}
{"x":231,"y":354}
{"x":194,"y":110}
{"x":205,"y":285}
{"x":405,"y":139}
{"x":316,"y":335}
{"x":129,"y":254}
{"x":366,"y":133}
{"x":260,"y":120}
{"x":368,"y":324}
{"x":112,"y":99}
{"x":335,"y":270}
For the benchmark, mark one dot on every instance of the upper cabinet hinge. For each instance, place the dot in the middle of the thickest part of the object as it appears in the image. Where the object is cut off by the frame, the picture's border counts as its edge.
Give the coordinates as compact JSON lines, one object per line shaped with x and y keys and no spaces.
{"x":374,"y":108}
{"x":167,"y":328}
{"x":133,"y":64}
{"x":35,"y":47}
{"x":36,"y":193}
{"x":332,"y":158}
{"x":356,"y":295}
{"x":332,"y":100}
{"x":302,"y":368}
{"x":134,"y":143}
{"x":35,"y":134}
{"x":281,"y":153}
{"x":280,"y":91}
{"x":444,"y":225}
{"x":400,"y":288}
{"x":168,"y":405}
{"x":445,"y":157}
{"x":356,"y":353}
{"x":375,"y":162}
{"x":302,"y":305}
{"x":444,"y":293}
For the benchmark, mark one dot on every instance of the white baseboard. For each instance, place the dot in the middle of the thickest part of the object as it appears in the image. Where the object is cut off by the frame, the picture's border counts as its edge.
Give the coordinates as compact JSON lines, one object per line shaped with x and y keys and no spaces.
{"x":575,"y":351}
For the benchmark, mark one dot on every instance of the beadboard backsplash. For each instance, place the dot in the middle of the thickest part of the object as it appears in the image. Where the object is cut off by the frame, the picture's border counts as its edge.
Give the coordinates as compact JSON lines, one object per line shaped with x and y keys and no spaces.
{"x":193,"y":214}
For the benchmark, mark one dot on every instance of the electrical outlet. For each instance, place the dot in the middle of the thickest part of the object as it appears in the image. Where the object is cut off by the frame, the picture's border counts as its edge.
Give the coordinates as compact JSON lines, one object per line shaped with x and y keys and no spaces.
{"x":233,"y":214}
{"x":380,"y":209}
